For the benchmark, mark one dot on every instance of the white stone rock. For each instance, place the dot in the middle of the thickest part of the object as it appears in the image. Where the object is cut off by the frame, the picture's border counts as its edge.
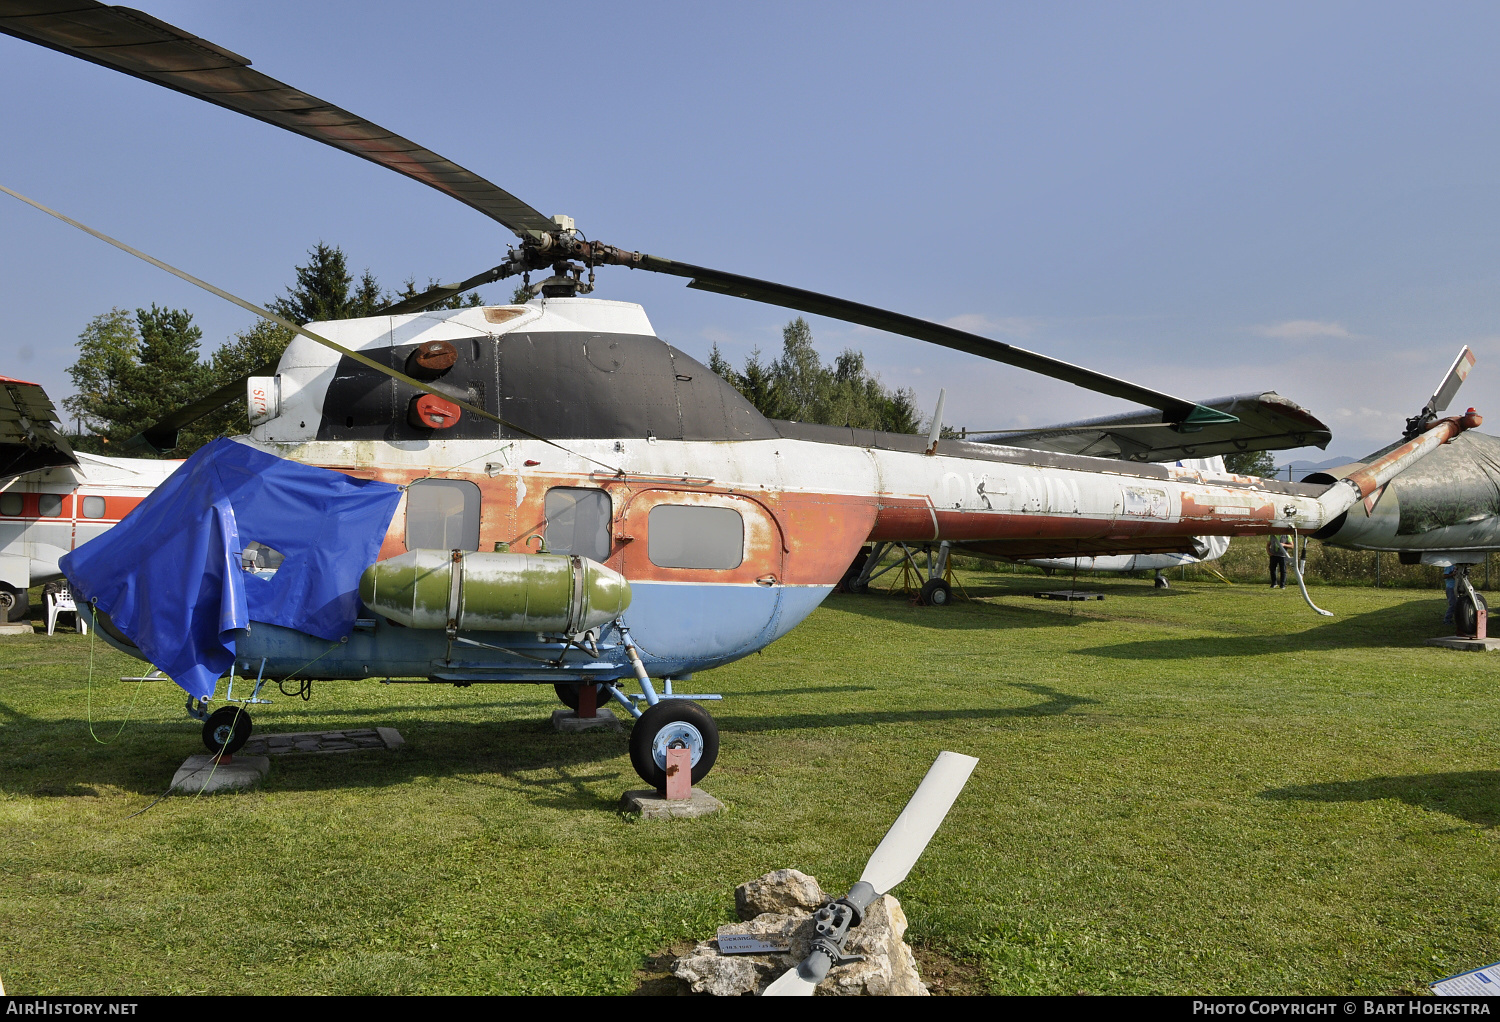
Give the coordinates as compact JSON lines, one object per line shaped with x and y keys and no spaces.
{"x":785,"y":890}
{"x":889,"y":967}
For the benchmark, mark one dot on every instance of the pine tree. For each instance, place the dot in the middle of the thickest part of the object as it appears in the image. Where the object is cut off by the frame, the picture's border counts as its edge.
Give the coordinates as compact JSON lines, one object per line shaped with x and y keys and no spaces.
{"x":798,"y":386}
{"x":325,"y":290}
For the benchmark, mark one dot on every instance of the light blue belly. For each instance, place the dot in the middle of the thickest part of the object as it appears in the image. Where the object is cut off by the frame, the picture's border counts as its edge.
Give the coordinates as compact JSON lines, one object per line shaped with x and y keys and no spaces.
{"x":679,"y":629}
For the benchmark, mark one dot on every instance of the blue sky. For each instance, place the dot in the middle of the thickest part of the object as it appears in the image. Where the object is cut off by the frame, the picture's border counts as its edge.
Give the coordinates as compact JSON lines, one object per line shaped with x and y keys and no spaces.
{"x":1209,"y":198}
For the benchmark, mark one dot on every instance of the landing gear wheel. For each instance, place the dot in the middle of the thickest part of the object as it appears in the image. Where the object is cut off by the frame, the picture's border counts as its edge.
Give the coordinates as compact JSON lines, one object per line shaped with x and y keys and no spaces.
{"x":567,"y":691}
{"x":935,"y":593}
{"x":226,"y":730}
{"x":1465,"y":615}
{"x":852,"y":573}
{"x":673,"y":723}
{"x":1161,"y":581}
{"x":13,"y":603}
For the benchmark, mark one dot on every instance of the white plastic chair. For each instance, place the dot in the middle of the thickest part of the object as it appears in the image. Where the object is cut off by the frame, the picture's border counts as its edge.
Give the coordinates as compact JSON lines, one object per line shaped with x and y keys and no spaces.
{"x":60,"y":601}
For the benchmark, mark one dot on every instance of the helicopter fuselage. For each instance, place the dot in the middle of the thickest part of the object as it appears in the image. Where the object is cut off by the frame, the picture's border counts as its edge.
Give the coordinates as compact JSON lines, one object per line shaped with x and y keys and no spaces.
{"x":731,"y":528}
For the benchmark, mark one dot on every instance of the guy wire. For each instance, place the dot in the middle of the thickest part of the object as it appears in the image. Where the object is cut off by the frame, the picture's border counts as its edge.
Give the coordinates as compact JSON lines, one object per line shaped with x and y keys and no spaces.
{"x":94,"y":634}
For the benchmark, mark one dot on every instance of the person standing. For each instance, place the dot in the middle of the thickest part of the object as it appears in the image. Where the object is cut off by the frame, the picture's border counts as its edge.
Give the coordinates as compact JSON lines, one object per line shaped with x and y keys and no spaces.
{"x":1277,"y":549}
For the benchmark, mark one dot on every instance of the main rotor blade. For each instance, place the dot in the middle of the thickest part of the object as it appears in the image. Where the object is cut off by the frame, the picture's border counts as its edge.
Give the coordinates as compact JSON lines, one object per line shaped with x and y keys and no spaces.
{"x":1174,"y":409}
{"x":439,"y":293}
{"x":139,"y":45}
{"x":907,"y":839}
{"x":161,"y":436}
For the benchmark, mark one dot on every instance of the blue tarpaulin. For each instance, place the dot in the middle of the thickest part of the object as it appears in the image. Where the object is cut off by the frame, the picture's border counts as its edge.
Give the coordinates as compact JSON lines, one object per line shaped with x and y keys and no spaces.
{"x":170,"y":578}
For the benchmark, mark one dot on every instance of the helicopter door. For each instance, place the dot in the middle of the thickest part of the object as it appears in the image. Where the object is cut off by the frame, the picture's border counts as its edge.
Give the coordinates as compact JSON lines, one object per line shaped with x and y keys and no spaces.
{"x":706,"y":571}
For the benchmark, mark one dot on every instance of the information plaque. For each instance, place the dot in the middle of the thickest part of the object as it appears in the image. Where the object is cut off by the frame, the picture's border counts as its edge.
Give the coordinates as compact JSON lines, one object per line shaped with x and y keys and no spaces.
{"x":744,"y":944}
{"x":1483,"y":982}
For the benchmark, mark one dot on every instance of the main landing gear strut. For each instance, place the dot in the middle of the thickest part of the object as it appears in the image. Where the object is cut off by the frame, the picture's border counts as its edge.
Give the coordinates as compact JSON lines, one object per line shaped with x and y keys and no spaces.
{"x":935,"y":590}
{"x":1471,"y":612}
{"x":669,"y":721}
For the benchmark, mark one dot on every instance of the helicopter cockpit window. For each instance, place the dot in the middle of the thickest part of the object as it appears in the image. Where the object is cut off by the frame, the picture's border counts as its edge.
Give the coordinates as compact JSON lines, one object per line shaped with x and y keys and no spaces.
{"x":442,"y":514}
{"x":578,"y":522}
{"x":259,"y":557}
{"x":693,"y":536}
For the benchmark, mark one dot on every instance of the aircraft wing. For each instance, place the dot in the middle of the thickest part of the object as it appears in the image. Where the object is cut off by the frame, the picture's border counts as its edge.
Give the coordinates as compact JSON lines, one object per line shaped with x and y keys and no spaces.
{"x":29,"y":437}
{"x":1266,"y":422}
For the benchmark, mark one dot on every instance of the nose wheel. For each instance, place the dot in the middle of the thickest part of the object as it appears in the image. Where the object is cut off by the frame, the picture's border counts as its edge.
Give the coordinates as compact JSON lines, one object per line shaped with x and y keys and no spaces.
{"x":226,"y":730}
{"x":673,"y":724}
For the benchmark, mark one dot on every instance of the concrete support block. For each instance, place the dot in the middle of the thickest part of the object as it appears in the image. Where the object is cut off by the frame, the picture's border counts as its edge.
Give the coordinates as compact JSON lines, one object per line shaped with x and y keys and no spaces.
{"x":652,"y":805}
{"x":1467,"y":645}
{"x":567,"y":720}
{"x":16,"y":628}
{"x":200,"y":774}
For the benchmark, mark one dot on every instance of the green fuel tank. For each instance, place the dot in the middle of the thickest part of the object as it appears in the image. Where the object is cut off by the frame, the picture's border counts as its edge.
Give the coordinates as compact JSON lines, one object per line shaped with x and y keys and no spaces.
{"x":484,"y":592}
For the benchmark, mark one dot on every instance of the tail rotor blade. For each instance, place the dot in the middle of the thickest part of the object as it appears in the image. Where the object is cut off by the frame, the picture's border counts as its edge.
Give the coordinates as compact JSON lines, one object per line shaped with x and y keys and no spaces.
{"x":1457,"y":373}
{"x":908,"y":837}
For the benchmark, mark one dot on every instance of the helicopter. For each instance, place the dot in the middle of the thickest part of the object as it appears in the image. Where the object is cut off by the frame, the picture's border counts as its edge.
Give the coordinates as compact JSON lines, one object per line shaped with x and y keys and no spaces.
{"x":1446,"y":514}
{"x":548,"y":492}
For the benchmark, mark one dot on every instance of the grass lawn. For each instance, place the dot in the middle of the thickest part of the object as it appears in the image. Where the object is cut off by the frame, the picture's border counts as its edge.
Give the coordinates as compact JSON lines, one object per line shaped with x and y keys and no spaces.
{"x":1200,"y":790}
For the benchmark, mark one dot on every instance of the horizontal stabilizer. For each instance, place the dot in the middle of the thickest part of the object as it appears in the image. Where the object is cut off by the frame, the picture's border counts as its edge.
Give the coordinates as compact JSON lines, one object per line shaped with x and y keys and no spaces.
{"x":1262,"y":422}
{"x":29,"y":438}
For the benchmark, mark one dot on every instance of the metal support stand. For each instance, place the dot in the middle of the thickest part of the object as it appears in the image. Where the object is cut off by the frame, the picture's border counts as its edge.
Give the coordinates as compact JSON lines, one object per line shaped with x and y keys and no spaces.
{"x":911,"y":575}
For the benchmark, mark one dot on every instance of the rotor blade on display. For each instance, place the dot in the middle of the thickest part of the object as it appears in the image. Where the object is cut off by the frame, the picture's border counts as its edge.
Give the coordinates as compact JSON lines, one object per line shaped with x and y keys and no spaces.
{"x":1173,"y":409}
{"x":137,"y":44}
{"x":161,"y":436}
{"x":792,"y":983}
{"x":897,"y":853}
{"x":1457,"y":373}
{"x":907,"y":839}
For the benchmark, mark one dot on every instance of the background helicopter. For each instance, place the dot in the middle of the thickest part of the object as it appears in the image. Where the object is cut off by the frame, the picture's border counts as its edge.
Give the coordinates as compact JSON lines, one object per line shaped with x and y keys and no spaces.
{"x":566,"y":425}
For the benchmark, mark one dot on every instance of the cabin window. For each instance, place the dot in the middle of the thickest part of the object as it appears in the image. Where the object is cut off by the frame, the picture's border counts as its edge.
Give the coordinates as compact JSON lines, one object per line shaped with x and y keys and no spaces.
{"x":93,"y":507}
{"x":442,"y":514}
{"x":49,"y":505}
{"x":578,"y":522}
{"x":693,"y":536}
{"x":10,"y":504}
